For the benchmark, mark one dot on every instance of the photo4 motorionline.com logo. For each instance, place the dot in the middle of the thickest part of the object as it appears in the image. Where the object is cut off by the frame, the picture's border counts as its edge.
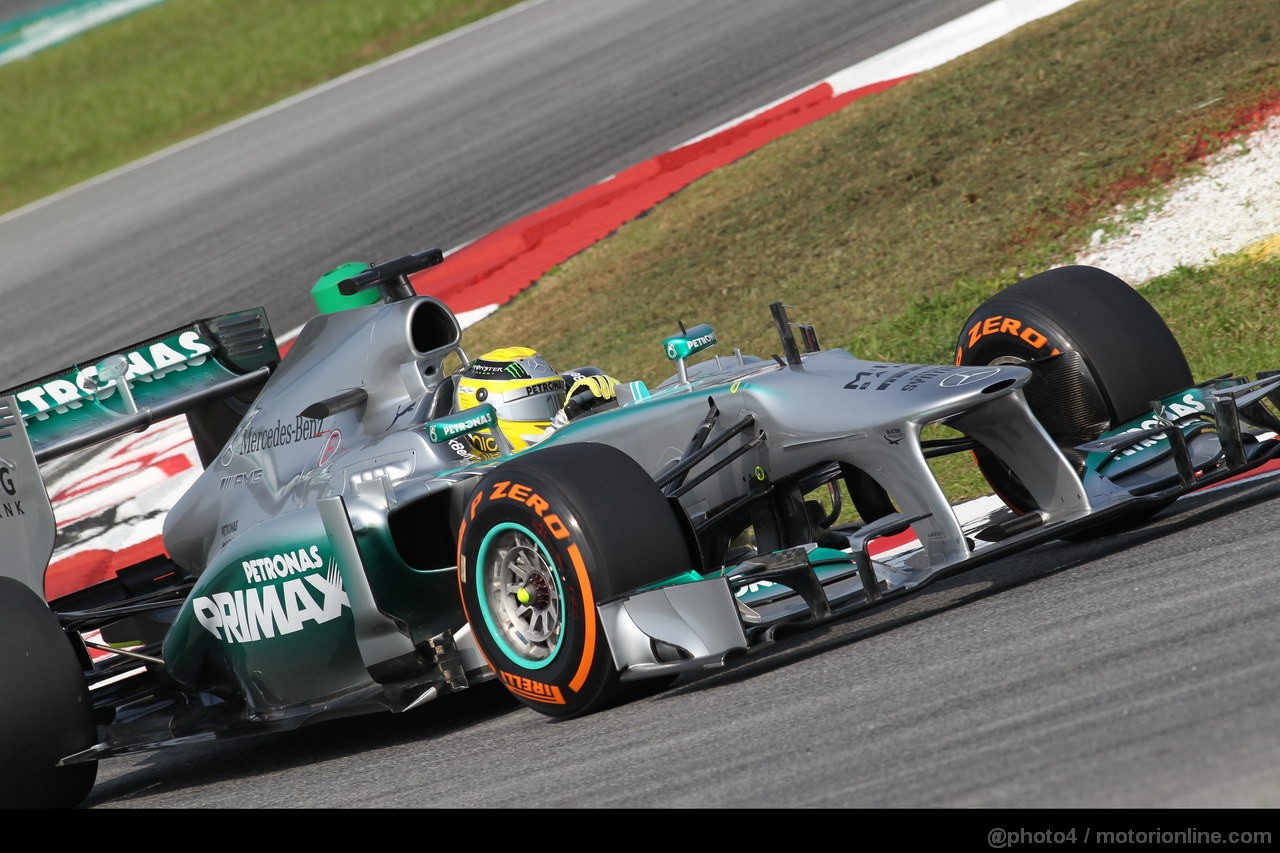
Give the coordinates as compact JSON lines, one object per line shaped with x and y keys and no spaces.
{"x":1001,"y":838}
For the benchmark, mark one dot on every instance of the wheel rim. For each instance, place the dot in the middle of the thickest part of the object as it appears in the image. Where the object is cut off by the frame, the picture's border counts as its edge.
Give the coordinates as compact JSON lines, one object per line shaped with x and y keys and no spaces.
{"x":521,"y":597}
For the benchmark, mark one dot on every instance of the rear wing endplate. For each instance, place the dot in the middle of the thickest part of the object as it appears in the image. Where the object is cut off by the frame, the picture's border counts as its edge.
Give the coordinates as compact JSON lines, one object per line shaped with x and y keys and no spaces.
{"x":26,"y":516}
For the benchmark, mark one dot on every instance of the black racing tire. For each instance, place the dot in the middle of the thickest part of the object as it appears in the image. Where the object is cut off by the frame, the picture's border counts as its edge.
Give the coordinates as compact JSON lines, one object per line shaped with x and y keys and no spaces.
{"x":1127,"y":351}
{"x":582,"y":523}
{"x":45,"y":710}
{"x":1130,"y":352}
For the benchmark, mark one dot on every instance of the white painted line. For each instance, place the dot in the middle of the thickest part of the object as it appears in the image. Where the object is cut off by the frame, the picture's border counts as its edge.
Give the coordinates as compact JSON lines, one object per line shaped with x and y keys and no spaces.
{"x":475,"y":315}
{"x":949,"y":41}
{"x":937,"y":47}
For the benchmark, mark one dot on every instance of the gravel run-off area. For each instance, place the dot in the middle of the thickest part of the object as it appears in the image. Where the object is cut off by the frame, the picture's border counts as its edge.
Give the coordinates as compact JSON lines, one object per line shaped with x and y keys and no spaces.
{"x":1233,"y":205}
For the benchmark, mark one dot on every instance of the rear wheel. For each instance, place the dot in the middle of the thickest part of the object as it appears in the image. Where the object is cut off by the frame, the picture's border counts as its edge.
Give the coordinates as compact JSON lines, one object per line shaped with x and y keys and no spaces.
{"x":546,"y":537}
{"x":1116,"y":357}
{"x":45,"y":710}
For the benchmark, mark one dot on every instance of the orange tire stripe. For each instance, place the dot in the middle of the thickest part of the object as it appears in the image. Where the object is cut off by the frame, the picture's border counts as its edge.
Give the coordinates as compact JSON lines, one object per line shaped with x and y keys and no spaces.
{"x":589,"y":614}
{"x":457,"y":558}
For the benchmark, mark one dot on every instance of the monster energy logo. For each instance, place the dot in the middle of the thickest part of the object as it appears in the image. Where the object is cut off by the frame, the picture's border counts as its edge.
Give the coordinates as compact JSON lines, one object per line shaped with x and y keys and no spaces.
{"x":513,"y":369}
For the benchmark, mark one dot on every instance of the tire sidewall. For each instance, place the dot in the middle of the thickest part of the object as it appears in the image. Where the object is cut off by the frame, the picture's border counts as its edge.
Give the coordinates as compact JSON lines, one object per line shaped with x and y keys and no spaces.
{"x":45,"y":709}
{"x":1004,"y":328}
{"x":578,"y":674}
{"x":1008,"y":328}
{"x":1128,"y":352}
{"x":1090,"y":311}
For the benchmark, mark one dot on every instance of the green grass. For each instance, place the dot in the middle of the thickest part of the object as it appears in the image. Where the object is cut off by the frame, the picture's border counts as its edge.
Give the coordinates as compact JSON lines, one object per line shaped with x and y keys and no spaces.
{"x":139,"y":84}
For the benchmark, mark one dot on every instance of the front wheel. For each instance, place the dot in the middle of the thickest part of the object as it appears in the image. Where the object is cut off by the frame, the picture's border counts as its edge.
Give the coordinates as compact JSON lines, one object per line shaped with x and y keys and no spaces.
{"x":545,"y":537}
{"x":1116,"y":356}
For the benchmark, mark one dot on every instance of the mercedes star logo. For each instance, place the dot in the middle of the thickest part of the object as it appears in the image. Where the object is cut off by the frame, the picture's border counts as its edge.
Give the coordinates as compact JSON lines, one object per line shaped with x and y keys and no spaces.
{"x":966,"y":377}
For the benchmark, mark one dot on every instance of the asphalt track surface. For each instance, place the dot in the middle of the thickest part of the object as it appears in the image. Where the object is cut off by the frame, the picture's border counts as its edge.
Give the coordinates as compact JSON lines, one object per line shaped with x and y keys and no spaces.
{"x":1136,"y":671}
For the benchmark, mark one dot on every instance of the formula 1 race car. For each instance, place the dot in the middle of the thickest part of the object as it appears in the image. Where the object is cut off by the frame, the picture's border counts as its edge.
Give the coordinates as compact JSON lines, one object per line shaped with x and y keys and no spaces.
{"x":354,"y":545}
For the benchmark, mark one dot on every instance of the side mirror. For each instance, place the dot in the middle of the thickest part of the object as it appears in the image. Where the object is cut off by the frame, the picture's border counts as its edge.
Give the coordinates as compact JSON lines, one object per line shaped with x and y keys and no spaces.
{"x":690,"y":341}
{"x":693,"y":341}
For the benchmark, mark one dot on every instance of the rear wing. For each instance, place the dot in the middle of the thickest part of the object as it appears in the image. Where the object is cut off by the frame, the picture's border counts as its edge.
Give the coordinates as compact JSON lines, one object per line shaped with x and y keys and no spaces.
{"x":209,"y":370}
